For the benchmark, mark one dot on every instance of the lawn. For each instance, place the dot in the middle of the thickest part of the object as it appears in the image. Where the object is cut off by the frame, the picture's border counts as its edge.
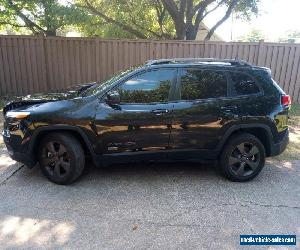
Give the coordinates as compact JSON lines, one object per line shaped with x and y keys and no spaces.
{"x":293,"y":150}
{"x":3,"y":101}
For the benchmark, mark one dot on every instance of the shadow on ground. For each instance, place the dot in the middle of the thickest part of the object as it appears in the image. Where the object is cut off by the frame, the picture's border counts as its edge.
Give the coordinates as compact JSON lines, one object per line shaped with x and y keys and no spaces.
{"x":157,"y":205}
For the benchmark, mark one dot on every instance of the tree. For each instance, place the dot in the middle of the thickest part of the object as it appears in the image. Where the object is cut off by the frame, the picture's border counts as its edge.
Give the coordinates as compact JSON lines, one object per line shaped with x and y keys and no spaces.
{"x":253,"y":36}
{"x":39,"y":16}
{"x":290,"y":36}
{"x":179,"y":19}
{"x":127,"y":19}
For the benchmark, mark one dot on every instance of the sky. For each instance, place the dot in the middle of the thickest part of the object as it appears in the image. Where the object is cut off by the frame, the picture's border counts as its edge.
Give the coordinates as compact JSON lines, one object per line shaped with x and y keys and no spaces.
{"x":275,"y":19}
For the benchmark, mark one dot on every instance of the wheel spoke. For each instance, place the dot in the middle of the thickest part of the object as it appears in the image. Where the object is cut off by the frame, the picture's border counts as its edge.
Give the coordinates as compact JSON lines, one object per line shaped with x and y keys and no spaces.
{"x":241,"y":170}
{"x":252,"y":164}
{"x":56,"y":170}
{"x":253,"y":151}
{"x":65,"y":165}
{"x":47,"y":161}
{"x":233,"y":160}
{"x":50,"y":147}
{"x":241,"y":148}
{"x":61,"y":150}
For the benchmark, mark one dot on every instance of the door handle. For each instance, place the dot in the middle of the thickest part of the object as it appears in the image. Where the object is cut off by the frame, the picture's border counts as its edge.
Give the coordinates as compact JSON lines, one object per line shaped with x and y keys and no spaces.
{"x":230,"y":112}
{"x":160,"y":111}
{"x":229,"y":108}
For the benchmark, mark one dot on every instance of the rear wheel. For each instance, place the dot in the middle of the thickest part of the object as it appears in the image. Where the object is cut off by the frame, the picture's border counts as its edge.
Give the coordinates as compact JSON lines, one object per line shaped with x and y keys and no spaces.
{"x":61,"y":158}
{"x":242,"y":158}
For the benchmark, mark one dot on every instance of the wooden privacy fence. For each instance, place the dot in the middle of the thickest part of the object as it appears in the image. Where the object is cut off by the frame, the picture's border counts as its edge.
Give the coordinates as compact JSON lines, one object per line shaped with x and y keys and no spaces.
{"x":30,"y":64}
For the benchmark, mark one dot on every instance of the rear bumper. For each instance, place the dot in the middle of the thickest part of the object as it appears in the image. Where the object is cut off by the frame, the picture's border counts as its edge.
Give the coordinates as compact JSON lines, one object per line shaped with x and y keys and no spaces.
{"x":278,"y":148}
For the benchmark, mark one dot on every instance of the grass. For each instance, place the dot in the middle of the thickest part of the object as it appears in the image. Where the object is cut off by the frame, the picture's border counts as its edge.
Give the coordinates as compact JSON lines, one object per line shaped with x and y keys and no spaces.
{"x":292,"y":151}
{"x":295,"y":110}
{"x":4,"y":100}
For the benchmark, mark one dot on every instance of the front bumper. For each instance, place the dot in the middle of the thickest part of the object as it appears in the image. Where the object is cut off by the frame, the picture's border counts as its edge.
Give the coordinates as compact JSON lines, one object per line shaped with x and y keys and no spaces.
{"x":26,"y":158}
{"x":278,"y":148}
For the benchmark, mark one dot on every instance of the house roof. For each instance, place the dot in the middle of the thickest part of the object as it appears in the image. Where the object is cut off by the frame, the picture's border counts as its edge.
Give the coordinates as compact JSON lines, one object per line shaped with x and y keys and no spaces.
{"x":202,"y":32}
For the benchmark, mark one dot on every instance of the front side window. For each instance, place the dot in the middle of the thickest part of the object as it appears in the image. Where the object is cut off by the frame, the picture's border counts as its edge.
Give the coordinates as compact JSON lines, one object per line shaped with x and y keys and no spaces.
{"x":148,"y":87}
{"x":243,"y":84}
{"x":203,"y":84}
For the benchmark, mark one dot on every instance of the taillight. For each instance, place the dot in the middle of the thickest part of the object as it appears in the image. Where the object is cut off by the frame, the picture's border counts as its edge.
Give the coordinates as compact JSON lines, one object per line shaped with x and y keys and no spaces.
{"x":286,"y":100}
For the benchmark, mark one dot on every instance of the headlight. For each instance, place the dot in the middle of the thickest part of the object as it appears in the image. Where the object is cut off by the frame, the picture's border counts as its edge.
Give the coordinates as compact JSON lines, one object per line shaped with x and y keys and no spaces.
{"x":17,"y":115}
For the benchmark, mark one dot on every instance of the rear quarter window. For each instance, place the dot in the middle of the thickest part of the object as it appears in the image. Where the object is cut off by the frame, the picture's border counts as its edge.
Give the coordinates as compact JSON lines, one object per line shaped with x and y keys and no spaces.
{"x":243,"y":84}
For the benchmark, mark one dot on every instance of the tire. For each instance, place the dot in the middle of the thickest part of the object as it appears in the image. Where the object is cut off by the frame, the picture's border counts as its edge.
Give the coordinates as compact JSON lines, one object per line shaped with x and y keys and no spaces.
{"x":61,"y":158}
{"x":243,"y":158}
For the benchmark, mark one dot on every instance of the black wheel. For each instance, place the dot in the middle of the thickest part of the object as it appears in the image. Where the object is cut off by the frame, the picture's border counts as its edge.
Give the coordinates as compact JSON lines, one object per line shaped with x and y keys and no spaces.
{"x":61,"y":158}
{"x":242,"y":158}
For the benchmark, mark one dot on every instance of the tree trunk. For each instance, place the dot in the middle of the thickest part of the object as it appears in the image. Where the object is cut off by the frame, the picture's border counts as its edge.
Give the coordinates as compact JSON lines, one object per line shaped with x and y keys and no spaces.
{"x":191,"y":33}
{"x":180,"y":30}
{"x":50,"y":32}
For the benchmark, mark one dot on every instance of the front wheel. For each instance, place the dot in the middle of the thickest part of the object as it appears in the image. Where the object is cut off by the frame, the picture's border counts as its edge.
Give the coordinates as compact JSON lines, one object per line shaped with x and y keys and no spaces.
{"x":242,"y":158}
{"x":61,"y":158}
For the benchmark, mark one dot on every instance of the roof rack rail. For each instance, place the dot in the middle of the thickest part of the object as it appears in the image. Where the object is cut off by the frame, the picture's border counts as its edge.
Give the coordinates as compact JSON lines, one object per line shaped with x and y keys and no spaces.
{"x":233,"y":62}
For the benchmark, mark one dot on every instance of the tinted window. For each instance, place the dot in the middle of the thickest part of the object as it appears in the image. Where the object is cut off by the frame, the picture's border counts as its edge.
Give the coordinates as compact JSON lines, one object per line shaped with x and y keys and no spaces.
{"x":151,"y":86}
{"x":202,"y":84}
{"x":243,"y":84}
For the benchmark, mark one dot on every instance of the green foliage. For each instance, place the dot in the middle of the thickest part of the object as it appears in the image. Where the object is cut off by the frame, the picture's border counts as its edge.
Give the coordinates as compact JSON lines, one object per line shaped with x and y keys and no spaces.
{"x":4,"y":100}
{"x":253,"y":36}
{"x":295,"y":110}
{"x":245,"y":9}
{"x":163,"y":19}
{"x":198,"y":84}
{"x":292,"y":36}
{"x":39,"y":16}
{"x":155,"y":19}
{"x":159,"y":94}
{"x":141,"y":16}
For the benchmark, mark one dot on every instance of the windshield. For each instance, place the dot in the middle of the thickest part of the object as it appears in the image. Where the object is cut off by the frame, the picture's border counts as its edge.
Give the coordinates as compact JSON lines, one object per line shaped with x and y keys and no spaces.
{"x":99,"y":87}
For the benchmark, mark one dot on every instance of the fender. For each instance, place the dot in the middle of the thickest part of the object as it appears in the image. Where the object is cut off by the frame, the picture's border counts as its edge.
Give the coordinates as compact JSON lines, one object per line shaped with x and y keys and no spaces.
{"x":235,"y":128}
{"x":64,"y":127}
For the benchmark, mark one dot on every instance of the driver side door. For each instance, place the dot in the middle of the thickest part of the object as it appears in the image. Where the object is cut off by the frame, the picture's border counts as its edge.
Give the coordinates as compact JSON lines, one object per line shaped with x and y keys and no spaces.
{"x":142,"y":119}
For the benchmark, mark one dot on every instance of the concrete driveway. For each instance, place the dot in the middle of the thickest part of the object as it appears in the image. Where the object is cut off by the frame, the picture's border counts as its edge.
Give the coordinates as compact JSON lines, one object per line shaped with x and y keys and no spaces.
{"x":146,"y":206}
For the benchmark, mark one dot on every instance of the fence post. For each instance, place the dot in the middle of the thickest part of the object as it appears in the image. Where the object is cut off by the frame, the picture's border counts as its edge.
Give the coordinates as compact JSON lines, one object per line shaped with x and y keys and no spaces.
{"x":46,"y":61}
{"x":260,"y":53}
{"x":151,"y":50}
{"x":97,"y":59}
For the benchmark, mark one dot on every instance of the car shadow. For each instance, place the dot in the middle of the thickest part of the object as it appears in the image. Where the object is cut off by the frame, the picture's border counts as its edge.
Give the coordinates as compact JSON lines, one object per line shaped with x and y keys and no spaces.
{"x":139,"y":171}
{"x":170,"y":168}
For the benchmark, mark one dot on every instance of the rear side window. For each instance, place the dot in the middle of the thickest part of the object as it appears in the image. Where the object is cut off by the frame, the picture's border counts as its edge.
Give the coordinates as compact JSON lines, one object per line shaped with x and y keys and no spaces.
{"x":243,"y":84}
{"x":202,"y":84}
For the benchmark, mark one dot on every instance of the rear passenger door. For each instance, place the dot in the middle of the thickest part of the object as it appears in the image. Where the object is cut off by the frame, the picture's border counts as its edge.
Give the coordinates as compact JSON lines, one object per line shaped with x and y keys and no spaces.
{"x":196,"y":115}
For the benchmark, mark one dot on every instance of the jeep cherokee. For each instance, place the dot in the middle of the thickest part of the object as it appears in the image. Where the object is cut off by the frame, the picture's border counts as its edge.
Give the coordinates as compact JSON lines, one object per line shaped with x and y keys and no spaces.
{"x":176,"y":109}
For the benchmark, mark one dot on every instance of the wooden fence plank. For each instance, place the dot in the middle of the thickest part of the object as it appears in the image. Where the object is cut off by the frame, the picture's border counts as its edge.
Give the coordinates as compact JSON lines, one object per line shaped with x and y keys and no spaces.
{"x":289,"y":70}
{"x":3,"y":83}
{"x":31,"y":64}
{"x":294,"y":73}
{"x":11,"y":65}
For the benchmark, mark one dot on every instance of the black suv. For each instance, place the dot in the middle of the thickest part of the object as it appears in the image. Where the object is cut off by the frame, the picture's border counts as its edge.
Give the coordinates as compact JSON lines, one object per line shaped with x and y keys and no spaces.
{"x":176,"y":109}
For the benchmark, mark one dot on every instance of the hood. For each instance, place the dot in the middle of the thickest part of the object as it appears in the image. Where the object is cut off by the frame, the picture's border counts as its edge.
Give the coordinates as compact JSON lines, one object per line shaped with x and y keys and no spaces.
{"x":28,"y":100}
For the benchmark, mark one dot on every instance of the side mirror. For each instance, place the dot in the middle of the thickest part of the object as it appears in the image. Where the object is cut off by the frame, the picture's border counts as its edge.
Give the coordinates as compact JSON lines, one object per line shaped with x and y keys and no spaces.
{"x":113,"y":98}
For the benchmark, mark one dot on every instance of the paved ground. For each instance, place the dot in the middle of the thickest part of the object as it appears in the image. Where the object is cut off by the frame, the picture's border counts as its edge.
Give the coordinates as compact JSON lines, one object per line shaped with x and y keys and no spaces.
{"x":155,"y":206}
